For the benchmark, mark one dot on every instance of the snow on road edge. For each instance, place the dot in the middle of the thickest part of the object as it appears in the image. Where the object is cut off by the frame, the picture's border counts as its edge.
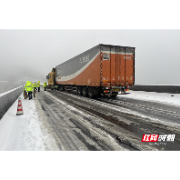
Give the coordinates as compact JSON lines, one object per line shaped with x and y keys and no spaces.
{"x":23,"y":132}
{"x":153,"y":97}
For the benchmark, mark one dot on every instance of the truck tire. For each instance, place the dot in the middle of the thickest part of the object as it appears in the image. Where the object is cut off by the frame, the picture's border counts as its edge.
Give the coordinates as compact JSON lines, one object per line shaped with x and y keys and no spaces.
{"x":90,"y":92}
{"x":51,"y":87}
{"x":123,"y":91}
{"x":61,"y":88}
{"x":79,"y":90}
{"x":85,"y":92}
{"x":114,"y":94}
{"x":98,"y":95}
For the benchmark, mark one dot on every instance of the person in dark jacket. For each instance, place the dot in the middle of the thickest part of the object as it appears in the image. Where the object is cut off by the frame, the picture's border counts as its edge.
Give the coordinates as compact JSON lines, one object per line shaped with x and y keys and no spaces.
{"x":38,"y":86}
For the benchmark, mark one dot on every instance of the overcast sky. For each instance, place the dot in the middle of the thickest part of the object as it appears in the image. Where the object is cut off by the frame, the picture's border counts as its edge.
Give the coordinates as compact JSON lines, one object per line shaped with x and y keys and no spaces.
{"x":33,"y":53}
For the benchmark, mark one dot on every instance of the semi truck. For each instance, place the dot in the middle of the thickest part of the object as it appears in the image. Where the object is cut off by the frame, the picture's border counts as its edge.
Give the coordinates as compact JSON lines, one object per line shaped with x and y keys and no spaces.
{"x":103,"y":70}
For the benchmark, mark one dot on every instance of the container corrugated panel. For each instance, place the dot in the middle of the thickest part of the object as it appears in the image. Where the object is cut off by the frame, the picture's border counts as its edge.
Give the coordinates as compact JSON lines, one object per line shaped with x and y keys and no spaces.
{"x":102,"y":65}
{"x":117,"y":65}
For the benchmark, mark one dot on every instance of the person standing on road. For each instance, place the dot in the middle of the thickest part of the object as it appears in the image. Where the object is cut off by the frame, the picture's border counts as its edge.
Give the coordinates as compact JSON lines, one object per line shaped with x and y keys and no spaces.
{"x":34,"y":85}
{"x":24,"y":92}
{"x":29,"y":89}
{"x":45,"y":85}
{"x":38,"y":86}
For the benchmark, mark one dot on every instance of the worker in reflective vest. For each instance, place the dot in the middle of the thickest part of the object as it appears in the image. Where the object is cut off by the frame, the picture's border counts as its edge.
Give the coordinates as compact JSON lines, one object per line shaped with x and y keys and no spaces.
{"x":38,"y":86}
{"x":29,"y":89}
{"x":45,"y":85}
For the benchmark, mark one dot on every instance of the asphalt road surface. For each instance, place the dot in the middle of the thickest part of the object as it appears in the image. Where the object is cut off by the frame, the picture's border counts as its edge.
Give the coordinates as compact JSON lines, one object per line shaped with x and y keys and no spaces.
{"x":79,"y":123}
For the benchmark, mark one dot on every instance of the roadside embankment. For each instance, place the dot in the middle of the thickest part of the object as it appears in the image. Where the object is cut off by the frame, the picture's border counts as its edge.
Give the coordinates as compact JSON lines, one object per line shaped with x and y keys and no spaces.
{"x":8,"y":98}
{"x":157,"y":88}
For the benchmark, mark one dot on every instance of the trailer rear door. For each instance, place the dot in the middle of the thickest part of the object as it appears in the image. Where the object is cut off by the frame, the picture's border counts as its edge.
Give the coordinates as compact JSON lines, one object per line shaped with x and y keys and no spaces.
{"x":122,"y":66}
{"x":117,"y":66}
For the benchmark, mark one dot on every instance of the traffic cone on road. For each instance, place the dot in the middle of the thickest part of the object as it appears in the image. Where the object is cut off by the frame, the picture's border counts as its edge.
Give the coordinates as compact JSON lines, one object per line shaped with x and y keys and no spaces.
{"x":19,"y":108}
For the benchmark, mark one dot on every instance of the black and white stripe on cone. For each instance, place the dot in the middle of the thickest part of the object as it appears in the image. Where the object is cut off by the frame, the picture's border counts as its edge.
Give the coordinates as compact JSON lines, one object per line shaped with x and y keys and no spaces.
{"x":19,"y":108}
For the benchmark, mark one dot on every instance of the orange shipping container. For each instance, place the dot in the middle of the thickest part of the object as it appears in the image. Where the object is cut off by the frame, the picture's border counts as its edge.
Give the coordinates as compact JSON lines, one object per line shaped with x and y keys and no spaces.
{"x":103,"y":69}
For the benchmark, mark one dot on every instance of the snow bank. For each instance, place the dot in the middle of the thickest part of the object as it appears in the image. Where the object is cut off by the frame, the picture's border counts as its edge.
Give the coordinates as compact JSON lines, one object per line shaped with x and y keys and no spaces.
{"x":23,"y":132}
{"x":173,"y":99}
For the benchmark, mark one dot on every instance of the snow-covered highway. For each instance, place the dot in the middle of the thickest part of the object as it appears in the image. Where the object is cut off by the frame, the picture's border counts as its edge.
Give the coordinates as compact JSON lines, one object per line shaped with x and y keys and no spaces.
{"x":57,"y":120}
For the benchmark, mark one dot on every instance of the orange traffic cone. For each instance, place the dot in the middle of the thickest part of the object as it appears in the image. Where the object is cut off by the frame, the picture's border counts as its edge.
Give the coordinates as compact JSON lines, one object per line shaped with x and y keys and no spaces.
{"x":19,"y":108}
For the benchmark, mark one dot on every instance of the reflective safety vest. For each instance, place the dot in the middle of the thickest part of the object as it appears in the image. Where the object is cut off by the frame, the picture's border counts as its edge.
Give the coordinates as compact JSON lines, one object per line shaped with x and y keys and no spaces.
{"x":38,"y":84}
{"x":25,"y":86}
{"x":29,"y":87}
{"x":34,"y":85}
{"x":44,"y":85}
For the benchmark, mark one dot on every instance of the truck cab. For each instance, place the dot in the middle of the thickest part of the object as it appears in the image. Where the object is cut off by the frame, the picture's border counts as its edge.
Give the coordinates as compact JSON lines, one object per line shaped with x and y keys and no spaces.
{"x":51,"y":79}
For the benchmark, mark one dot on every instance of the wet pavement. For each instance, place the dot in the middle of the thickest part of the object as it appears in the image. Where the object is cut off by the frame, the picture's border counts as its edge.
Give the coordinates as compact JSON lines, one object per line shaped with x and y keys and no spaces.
{"x":79,"y":123}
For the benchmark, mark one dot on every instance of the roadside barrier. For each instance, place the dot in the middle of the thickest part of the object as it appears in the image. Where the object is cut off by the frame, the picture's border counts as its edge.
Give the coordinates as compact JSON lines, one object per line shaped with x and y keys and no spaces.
{"x":156,"y":88}
{"x":8,"y":99}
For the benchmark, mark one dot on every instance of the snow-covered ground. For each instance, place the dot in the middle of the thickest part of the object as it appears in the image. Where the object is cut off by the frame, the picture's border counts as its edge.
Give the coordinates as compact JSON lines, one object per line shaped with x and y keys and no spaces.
{"x":154,"y":97}
{"x":29,"y":132}
{"x":24,"y":132}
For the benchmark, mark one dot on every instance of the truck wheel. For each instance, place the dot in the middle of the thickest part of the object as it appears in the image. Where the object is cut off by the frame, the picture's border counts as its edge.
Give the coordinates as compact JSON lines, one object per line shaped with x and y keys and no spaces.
{"x":123,"y":91}
{"x":79,"y":90}
{"x":91,"y":92}
{"x":114,"y":94}
{"x":61,"y":88}
{"x":85,"y":92}
{"x":98,"y":96}
{"x":51,"y":87}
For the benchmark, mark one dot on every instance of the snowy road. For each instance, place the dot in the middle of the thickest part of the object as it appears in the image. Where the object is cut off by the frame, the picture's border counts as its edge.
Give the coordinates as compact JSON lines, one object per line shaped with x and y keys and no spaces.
{"x":71,"y":127}
{"x":158,"y":106}
{"x":89,"y":121}
{"x":57,"y":120}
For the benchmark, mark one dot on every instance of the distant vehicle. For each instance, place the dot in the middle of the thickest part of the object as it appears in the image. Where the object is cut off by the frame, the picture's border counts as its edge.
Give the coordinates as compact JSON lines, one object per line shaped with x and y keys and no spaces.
{"x":101,"y":70}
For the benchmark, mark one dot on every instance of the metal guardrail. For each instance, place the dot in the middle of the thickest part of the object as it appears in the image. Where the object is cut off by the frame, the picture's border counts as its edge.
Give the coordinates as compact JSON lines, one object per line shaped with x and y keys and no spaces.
{"x":4,"y":87}
{"x":8,"y":99}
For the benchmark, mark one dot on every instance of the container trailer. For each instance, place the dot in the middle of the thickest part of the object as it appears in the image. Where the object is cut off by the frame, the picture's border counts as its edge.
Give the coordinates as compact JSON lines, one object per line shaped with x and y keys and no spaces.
{"x":101,"y":70}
